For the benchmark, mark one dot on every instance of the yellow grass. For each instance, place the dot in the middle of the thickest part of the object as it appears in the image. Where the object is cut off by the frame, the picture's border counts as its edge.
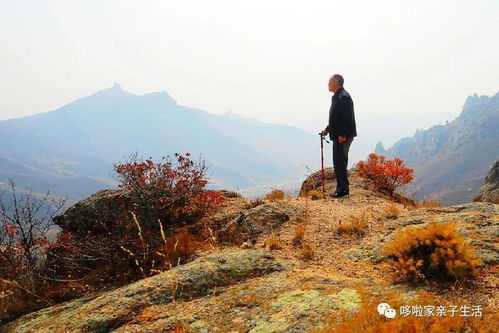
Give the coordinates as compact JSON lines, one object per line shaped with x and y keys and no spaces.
{"x":356,"y":226}
{"x":273,"y":243}
{"x":307,"y":252}
{"x":391,"y":211}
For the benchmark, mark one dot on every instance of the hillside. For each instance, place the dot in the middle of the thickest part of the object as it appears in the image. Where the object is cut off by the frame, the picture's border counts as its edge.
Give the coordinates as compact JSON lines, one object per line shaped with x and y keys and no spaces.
{"x":71,"y":150}
{"x":451,"y":160}
{"x":246,"y":286}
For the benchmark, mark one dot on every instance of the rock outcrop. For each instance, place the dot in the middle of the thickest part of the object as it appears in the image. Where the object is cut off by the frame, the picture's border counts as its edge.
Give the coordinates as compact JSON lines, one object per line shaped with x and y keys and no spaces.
{"x":246,"y":225}
{"x":450,"y":160}
{"x":479,"y":221}
{"x":490,"y":189}
{"x":249,"y":290}
{"x":101,"y":208}
{"x":111,"y":309}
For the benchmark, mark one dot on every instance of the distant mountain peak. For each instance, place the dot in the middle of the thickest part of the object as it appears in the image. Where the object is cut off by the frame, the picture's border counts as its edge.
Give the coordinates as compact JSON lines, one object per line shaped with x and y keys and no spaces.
{"x":161,"y":96}
{"x":115,"y":91}
{"x":380,"y":149}
{"x":476,"y":105}
{"x":233,"y":115}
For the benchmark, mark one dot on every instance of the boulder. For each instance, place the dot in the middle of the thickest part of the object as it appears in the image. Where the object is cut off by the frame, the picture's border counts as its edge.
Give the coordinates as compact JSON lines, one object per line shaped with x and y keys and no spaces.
{"x":244,"y":226}
{"x":101,"y":209}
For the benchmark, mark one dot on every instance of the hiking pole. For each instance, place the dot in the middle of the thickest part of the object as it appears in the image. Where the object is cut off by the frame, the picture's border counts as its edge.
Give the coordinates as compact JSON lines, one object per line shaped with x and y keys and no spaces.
{"x":322,"y":162}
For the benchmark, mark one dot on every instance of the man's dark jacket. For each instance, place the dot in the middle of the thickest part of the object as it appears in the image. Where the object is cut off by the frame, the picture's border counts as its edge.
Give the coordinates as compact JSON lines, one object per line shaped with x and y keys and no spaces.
{"x":341,"y":116}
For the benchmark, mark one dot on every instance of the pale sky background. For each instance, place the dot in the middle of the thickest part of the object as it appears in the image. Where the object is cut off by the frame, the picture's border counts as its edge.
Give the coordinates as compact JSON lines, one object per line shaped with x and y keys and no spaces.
{"x":407,"y":64}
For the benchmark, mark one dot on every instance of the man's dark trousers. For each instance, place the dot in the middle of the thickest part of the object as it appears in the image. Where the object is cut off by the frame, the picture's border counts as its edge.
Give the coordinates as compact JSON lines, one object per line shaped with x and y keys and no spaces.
{"x":340,"y":163}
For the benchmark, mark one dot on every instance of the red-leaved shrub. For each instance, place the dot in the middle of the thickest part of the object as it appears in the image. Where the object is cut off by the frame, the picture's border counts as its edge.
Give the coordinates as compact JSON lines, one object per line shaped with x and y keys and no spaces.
{"x":159,"y":199}
{"x":388,"y":175}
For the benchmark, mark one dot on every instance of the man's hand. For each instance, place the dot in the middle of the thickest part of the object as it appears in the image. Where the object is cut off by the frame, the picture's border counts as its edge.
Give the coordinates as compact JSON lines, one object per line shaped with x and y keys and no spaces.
{"x":342,"y":139}
{"x":324,"y":132}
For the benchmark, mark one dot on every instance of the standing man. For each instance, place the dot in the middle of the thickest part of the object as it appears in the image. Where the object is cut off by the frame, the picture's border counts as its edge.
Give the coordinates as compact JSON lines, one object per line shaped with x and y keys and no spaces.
{"x":342,"y":130}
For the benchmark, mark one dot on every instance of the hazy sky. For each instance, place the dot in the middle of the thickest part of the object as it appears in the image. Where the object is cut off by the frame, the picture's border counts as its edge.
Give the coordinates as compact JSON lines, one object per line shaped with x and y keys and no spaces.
{"x":407,"y":64}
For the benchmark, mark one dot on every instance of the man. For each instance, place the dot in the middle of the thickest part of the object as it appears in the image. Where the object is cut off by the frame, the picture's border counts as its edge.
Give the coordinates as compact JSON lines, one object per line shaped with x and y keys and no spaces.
{"x":342,"y":130}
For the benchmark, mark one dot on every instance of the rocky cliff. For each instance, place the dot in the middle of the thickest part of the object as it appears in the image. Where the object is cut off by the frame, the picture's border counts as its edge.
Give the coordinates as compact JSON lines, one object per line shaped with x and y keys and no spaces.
{"x":451,"y":160}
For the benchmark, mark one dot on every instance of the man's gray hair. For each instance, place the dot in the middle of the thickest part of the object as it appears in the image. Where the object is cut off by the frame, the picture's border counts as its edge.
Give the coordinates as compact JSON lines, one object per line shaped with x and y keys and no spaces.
{"x":338,"y":78}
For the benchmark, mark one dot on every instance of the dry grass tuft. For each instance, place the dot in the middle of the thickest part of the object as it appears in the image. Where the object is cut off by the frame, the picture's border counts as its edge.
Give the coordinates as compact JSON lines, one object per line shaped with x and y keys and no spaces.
{"x":180,"y":247}
{"x":299,"y":235}
{"x":315,"y":194}
{"x":431,"y":203}
{"x":307,"y":252}
{"x":356,"y":226}
{"x":391,"y":211}
{"x":435,"y":251}
{"x":273,"y":243}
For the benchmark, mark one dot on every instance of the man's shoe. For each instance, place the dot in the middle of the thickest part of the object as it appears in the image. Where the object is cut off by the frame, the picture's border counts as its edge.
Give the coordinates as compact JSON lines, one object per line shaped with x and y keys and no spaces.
{"x":339,"y":194}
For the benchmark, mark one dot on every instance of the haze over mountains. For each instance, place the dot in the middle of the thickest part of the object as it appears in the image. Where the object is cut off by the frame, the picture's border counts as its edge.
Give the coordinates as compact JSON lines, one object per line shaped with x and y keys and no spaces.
{"x":71,"y":150}
{"x":451,"y":160}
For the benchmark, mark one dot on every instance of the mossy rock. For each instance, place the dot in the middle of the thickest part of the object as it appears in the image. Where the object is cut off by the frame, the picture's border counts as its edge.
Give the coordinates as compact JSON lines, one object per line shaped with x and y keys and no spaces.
{"x":185,"y":282}
{"x":236,"y":228}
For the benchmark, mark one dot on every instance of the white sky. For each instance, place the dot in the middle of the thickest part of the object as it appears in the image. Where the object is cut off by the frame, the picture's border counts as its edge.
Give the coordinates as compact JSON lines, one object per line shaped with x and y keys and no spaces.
{"x":409,"y":62}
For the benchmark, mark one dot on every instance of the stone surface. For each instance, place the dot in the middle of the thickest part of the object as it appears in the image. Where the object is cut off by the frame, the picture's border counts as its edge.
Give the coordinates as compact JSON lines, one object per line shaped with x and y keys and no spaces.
{"x":479,"y":221}
{"x":490,"y":189}
{"x":111,"y":309}
{"x":244,"y":226}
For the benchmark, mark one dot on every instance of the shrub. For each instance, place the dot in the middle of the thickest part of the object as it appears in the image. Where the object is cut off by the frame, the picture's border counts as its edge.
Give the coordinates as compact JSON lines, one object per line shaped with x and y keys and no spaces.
{"x":169,"y":190}
{"x":165,"y":197}
{"x":388,"y":175}
{"x":275,"y":195}
{"x":435,"y":251}
{"x":25,"y":227}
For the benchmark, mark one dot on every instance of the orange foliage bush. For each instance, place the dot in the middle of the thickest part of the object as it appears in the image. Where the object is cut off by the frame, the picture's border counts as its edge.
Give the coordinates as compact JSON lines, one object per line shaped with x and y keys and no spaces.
{"x":275,"y":195}
{"x":388,"y":175}
{"x":436,"y":251}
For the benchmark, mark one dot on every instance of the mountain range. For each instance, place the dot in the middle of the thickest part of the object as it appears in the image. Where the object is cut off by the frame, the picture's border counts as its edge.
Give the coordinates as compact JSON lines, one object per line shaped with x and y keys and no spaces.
{"x":452,"y":160}
{"x":71,"y":150}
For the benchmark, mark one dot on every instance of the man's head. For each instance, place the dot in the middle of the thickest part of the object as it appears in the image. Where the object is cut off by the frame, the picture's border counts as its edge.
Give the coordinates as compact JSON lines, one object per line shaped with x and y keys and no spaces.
{"x":335,"y":82}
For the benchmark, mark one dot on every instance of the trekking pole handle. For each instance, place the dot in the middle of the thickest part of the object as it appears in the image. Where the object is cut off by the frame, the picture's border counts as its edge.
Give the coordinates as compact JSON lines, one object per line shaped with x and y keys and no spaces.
{"x":323,"y":137}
